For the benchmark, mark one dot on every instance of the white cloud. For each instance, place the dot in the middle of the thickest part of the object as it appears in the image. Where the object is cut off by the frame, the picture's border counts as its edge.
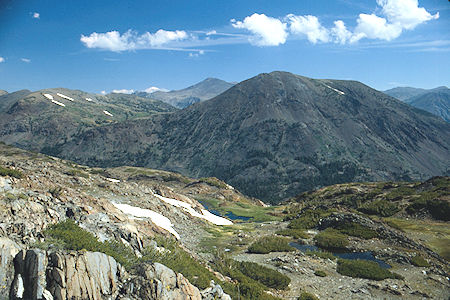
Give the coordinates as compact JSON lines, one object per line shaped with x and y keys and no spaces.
{"x":123,"y":91}
{"x":2,"y":59}
{"x":340,"y":33}
{"x":309,"y":26}
{"x":26,"y":60}
{"x":153,"y":89}
{"x":196,"y":54}
{"x":114,"y":41}
{"x":406,"y":13}
{"x":374,"y":27}
{"x":267,"y":31}
{"x":103,"y":92}
{"x":36,"y":15}
{"x":212,"y":32}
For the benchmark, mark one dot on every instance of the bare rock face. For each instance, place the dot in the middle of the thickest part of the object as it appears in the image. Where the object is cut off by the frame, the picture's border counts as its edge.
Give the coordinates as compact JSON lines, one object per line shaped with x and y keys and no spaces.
{"x":156,"y":281}
{"x":8,"y":250}
{"x":41,"y":275}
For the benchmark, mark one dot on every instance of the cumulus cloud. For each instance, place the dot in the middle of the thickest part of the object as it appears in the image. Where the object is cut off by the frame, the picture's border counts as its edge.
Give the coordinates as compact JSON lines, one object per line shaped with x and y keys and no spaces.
{"x":196,"y":54}
{"x":130,"y":40}
{"x":2,"y":59}
{"x":36,"y":15}
{"x":266,"y":31}
{"x":122,"y":91}
{"x":26,"y":60}
{"x":308,"y":26}
{"x":396,"y":16}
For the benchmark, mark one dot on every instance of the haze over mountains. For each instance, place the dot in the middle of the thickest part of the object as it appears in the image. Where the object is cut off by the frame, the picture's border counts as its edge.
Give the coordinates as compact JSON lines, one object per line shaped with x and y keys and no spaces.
{"x":435,"y":101}
{"x":201,"y":91}
{"x":272,"y":136}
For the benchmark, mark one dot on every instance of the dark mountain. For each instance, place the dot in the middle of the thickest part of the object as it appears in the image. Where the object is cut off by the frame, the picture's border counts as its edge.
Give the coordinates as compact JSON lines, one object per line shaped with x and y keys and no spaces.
{"x":39,"y":120}
{"x":201,"y":91}
{"x":404,"y":93}
{"x":279,"y":134}
{"x":435,"y":101}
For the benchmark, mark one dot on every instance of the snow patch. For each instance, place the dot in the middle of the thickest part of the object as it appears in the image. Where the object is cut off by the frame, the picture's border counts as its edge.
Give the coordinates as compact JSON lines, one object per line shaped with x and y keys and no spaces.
{"x":64,"y":96}
{"x":142,"y":213}
{"x":48,"y":96}
{"x":113,"y":180}
{"x":89,"y":99}
{"x":336,"y":90}
{"x":188,"y":208}
{"x":58,"y":103}
{"x":107,"y":113}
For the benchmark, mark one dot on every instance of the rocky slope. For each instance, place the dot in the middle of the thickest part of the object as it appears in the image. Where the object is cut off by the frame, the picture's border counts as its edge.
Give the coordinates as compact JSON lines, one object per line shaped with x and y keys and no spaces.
{"x":278,"y":134}
{"x":39,"y":120}
{"x":201,"y":91}
{"x":55,"y":215}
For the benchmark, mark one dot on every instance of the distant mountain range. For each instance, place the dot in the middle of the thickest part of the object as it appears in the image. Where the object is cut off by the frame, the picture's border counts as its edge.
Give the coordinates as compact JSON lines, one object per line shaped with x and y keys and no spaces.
{"x":435,"y":101}
{"x":39,"y":120}
{"x":201,"y":91}
{"x":271,"y":136}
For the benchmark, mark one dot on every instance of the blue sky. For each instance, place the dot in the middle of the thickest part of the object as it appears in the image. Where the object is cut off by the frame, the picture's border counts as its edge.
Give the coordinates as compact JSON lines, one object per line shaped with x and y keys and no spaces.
{"x":112,"y":45}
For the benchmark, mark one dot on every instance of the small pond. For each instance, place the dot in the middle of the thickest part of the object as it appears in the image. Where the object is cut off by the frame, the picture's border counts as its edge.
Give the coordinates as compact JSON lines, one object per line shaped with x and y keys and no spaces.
{"x":230,"y":215}
{"x":346,"y":255}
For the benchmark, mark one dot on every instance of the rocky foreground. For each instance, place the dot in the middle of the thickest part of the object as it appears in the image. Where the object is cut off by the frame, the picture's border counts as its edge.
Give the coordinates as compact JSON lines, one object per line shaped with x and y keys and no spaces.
{"x":74,"y":232}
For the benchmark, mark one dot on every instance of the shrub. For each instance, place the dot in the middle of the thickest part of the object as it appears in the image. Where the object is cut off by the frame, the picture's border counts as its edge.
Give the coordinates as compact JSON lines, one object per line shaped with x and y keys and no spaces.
{"x":270,"y":244}
{"x":77,"y":173}
{"x":213,"y":181}
{"x":357,"y":230}
{"x":364,"y":269}
{"x":307,"y":296}
{"x":10,"y":172}
{"x":308,"y":219}
{"x":73,"y":237}
{"x":320,"y":273}
{"x":331,"y":239}
{"x":55,"y":192}
{"x":438,"y":208}
{"x":419,"y":261}
{"x":381,"y":208}
{"x":266,"y":276}
{"x":295,"y":233}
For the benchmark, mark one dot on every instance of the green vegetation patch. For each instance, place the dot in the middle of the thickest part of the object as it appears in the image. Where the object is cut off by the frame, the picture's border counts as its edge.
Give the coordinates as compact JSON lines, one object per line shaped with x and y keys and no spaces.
{"x":268,"y":277}
{"x":72,"y":237}
{"x":294,"y":233}
{"x":357,"y":230}
{"x":321,"y":254}
{"x":10,"y":172}
{"x":320,"y":273}
{"x":331,"y":239}
{"x":308,"y":219}
{"x":269,"y":244}
{"x":213,"y":181}
{"x":419,"y":261}
{"x":364,"y":269}
{"x":77,"y":173}
{"x":307,"y":296}
{"x":438,"y":208}
{"x":382,"y":208}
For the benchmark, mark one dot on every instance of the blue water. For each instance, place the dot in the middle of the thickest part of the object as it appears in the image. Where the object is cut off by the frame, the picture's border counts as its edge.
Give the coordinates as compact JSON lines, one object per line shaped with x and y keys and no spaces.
{"x":346,"y":255}
{"x":228,"y":214}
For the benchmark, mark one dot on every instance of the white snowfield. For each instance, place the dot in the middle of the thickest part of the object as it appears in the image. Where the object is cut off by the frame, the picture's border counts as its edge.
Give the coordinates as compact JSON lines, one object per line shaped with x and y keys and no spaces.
{"x":142,"y":213}
{"x":336,"y":90}
{"x":89,"y":99}
{"x":107,"y":113}
{"x":113,"y":180}
{"x":58,"y":103}
{"x":64,"y":96}
{"x":48,"y":96}
{"x":188,"y":208}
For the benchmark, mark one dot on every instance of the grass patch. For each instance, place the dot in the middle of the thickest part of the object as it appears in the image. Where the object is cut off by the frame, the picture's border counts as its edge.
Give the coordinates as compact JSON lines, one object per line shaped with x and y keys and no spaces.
{"x":308,"y":219}
{"x":364,"y":269}
{"x":213,"y":181}
{"x":320,"y":273}
{"x":438,"y":208}
{"x":331,"y":239}
{"x":72,"y":237}
{"x":10,"y":172}
{"x":269,"y":244}
{"x":419,"y":261}
{"x":294,"y":233}
{"x":77,"y":173}
{"x":307,"y":296}
{"x":270,"y":278}
{"x":357,"y":230}
{"x":381,"y":208}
